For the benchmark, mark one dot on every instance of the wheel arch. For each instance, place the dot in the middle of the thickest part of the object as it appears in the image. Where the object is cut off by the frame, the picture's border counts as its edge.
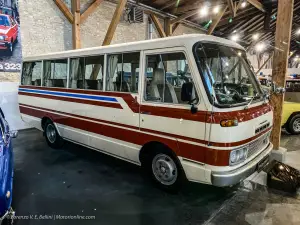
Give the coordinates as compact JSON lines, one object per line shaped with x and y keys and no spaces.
{"x":291,"y":116}
{"x":151,"y":146}
{"x":49,"y":118}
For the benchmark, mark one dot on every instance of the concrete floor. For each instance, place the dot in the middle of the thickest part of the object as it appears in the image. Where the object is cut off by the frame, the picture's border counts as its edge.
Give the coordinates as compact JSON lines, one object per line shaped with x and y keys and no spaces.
{"x":79,"y":181}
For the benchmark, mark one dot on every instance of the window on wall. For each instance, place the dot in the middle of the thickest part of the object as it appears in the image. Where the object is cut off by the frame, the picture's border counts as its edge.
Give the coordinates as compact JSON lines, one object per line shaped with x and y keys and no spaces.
{"x":31,"y":73}
{"x":123,"y":72}
{"x":55,"y":73}
{"x":168,"y":79}
{"x":87,"y":73}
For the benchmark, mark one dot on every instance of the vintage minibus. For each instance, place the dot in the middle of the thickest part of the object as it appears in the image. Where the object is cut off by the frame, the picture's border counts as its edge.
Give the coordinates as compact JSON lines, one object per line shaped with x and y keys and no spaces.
{"x":186,"y":107}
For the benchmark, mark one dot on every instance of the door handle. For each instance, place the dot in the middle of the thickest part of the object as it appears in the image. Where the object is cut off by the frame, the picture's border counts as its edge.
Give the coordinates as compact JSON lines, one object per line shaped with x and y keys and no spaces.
{"x":147,"y":113}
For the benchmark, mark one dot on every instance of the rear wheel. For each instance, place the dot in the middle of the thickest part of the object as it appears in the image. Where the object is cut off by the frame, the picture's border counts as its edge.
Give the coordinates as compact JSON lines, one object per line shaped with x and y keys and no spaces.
{"x":293,"y":126}
{"x":54,"y":140}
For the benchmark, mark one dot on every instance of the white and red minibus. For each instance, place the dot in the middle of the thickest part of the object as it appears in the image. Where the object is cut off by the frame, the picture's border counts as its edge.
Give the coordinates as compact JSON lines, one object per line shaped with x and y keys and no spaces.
{"x":186,"y":107}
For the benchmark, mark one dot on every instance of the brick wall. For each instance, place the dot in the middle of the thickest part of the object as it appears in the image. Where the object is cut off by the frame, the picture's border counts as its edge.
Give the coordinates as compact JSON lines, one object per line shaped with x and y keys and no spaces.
{"x":45,"y":29}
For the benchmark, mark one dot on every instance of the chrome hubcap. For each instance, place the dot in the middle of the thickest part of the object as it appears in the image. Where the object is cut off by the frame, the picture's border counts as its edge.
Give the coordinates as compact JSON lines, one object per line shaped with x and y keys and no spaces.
{"x":51,"y":133}
{"x":296,"y":125}
{"x":164,"y":169}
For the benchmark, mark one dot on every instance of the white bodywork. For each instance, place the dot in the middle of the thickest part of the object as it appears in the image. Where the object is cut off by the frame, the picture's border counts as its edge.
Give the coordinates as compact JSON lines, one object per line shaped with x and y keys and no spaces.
{"x":144,"y":124}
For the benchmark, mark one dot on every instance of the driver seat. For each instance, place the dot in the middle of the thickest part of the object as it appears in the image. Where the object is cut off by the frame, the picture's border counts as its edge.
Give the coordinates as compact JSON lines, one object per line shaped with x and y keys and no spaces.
{"x":161,"y":89}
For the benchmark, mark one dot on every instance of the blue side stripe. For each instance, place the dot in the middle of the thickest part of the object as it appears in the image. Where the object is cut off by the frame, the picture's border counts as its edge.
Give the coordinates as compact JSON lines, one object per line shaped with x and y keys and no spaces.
{"x":64,"y":94}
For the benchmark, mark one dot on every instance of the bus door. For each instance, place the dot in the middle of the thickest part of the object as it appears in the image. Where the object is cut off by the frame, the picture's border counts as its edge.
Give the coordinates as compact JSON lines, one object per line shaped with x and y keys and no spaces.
{"x":165,"y":111}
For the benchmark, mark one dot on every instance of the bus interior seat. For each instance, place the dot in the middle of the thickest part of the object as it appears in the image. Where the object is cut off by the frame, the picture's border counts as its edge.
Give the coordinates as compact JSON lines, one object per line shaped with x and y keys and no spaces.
{"x":91,"y":84}
{"x":37,"y":82}
{"x":121,"y":84}
{"x":157,"y":88}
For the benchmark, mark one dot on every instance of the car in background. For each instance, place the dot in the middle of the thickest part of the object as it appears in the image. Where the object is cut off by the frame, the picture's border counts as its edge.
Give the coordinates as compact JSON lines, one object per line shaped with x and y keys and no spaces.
{"x":6,"y":169}
{"x":8,"y":33}
{"x":291,"y":117}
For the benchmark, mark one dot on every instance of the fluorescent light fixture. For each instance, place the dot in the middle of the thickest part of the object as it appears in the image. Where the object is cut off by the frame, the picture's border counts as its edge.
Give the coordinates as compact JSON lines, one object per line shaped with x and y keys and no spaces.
{"x":203,"y":11}
{"x":255,"y":36}
{"x":235,"y":37}
{"x":216,"y":9}
{"x":260,"y":47}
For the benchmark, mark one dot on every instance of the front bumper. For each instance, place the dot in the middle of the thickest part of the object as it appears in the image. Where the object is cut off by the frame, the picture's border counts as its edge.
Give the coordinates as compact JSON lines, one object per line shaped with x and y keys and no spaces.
{"x":223,"y":179}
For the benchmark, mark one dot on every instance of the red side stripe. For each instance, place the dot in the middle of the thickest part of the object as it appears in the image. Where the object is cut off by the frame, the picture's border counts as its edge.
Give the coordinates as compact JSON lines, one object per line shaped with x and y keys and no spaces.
{"x":190,"y":151}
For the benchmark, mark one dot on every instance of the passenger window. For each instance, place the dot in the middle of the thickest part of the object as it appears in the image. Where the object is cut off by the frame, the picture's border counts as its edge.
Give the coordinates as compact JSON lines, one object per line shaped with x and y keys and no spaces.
{"x":31,"y":73}
{"x":87,"y":73}
{"x":94,"y":72}
{"x":123,"y":72}
{"x":55,"y":73}
{"x":168,"y":79}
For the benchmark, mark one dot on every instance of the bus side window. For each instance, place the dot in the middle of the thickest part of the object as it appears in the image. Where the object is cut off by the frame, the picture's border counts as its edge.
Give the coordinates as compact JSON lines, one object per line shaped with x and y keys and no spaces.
{"x":94,"y":72}
{"x":166,"y":74}
{"x":55,"y":73}
{"x":123,"y":72}
{"x":31,"y":73}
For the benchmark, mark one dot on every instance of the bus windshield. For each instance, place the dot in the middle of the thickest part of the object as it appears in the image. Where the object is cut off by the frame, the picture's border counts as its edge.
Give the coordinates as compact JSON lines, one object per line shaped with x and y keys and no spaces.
{"x":227,"y":75}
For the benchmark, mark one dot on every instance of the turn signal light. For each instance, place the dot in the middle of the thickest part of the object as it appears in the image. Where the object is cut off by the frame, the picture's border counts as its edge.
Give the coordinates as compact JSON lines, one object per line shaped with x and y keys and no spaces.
{"x":229,"y":123}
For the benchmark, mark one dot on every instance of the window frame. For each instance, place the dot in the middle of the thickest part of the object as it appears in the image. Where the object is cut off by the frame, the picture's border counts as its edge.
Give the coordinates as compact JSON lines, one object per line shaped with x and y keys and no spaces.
{"x":121,"y":53}
{"x":143,"y":70}
{"x":41,"y":75}
{"x":84,"y":57}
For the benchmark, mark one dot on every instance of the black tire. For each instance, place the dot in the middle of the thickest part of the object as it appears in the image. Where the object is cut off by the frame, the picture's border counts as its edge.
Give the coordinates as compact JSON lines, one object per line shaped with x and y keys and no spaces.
{"x":164,"y":157}
{"x":54,"y":140}
{"x":293,"y":125}
{"x":10,"y":49}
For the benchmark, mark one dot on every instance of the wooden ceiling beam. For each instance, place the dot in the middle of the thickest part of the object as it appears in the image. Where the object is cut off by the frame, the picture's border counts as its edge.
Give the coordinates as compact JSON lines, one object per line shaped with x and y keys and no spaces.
{"x":90,"y":10}
{"x":65,"y":10}
{"x":158,"y":25}
{"x":114,"y":23}
{"x":184,"y":16}
{"x":257,"y":5}
{"x":76,"y":24}
{"x":231,"y":7}
{"x":216,"y":21}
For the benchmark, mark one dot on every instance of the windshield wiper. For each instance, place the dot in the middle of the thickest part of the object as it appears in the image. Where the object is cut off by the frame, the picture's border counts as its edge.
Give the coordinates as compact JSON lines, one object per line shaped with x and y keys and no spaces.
{"x":251,"y":100}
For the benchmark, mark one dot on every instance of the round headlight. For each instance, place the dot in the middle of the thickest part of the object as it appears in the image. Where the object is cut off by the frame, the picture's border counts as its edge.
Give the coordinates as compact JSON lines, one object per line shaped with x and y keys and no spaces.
{"x":233,"y":156}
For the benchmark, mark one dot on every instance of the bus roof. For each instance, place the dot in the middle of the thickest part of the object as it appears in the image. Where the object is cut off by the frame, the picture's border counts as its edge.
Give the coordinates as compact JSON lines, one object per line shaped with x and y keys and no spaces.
{"x":168,"y":42}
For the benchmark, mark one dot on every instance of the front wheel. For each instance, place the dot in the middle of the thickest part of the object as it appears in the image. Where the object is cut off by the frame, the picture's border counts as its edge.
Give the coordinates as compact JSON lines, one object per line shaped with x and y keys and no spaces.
{"x":54,"y":140}
{"x":10,"y":49}
{"x":293,"y":125}
{"x":166,"y":171}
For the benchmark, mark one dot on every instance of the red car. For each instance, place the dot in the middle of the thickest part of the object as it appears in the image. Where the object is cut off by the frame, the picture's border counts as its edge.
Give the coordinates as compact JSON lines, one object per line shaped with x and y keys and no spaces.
{"x":8,"y":33}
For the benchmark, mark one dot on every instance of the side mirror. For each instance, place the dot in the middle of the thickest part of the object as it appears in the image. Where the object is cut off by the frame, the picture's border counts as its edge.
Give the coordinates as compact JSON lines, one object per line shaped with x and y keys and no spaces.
{"x":194,"y":109}
{"x":13,"y":134}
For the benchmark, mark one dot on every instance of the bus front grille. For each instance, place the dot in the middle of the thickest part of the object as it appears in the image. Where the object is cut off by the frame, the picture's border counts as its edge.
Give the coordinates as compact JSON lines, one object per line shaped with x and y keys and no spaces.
{"x":258,"y":145}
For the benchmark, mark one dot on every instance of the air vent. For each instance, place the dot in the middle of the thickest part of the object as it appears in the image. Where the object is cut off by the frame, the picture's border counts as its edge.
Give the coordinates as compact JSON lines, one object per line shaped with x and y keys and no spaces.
{"x":136,"y":15}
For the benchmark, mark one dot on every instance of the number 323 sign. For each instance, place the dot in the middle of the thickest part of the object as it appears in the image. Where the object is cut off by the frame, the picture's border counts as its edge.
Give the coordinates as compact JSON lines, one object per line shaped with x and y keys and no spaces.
{"x":10,"y":67}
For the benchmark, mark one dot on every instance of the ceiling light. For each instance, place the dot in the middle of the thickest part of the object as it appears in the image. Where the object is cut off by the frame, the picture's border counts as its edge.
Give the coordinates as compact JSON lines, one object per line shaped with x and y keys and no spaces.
{"x":255,"y":36}
{"x":204,"y":11}
{"x":235,"y":37}
{"x":298,"y":31}
{"x":216,"y":9}
{"x":244,"y":3}
{"x":260,"y":47}
{"x":240,"y":53}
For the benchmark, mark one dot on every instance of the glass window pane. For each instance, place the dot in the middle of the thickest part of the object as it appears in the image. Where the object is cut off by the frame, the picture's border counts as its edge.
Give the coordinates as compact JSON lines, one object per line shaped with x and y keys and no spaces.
{"x":31,"y":73}
{"x":55,"y":73}
{"x":94,"y":72}
{"x":123,"y":72}
{"x":168,"y":79}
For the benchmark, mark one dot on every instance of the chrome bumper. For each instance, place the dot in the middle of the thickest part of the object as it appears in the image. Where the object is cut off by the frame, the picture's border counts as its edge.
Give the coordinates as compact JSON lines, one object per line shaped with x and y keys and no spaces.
{"x":223,"y":179}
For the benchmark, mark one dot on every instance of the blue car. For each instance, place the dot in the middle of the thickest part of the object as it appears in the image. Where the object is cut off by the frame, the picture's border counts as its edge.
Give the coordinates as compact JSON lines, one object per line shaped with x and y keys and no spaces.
{"x":6,"y":169}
